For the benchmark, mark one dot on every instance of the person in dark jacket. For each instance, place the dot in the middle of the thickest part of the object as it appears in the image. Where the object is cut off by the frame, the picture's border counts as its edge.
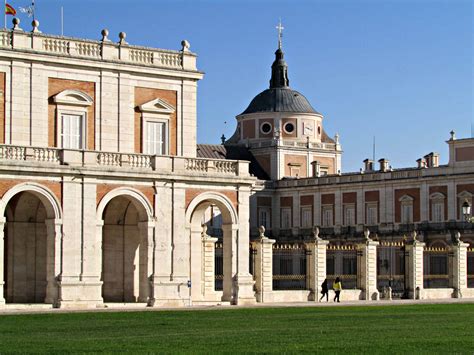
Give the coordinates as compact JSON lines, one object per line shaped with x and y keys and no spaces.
{"x":324,"y":290}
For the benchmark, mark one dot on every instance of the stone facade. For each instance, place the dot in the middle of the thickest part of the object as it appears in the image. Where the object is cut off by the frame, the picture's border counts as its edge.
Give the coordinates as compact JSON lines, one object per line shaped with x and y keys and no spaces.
{"x":95,"y":208}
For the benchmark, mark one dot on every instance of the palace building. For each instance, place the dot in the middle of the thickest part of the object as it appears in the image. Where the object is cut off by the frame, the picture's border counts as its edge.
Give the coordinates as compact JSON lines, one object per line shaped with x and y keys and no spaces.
{"x":106,"y":197}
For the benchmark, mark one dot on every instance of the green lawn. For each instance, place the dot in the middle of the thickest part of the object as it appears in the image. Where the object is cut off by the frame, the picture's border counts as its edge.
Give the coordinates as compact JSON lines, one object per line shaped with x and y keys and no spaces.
{"x":394,"y":329}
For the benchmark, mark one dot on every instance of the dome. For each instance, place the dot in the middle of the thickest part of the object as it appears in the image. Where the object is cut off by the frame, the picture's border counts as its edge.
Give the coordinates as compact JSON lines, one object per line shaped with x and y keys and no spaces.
{"x":281,"y":99}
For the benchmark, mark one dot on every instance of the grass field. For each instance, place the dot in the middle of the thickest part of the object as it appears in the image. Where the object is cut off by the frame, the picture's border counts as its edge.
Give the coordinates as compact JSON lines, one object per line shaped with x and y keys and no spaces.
{"x":391,"y":329}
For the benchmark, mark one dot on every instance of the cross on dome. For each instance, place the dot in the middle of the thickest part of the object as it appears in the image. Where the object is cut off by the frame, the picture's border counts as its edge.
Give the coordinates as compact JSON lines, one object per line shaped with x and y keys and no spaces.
{"x":280,"y":29}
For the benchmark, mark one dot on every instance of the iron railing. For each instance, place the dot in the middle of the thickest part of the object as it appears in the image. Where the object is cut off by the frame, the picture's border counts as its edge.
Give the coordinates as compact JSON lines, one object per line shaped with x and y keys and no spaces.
{"x":219,"y":267}
{"x":341,"y":261}
{"x":289,"y":267}
{"x":391,"y":267}
{"x":435,"y":267}
{"x":470,"y":267}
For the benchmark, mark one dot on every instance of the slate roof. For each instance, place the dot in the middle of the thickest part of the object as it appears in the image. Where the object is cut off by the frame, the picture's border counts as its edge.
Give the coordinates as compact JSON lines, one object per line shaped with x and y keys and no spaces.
{"x":280,"y":100}
{"x":233,"y":152}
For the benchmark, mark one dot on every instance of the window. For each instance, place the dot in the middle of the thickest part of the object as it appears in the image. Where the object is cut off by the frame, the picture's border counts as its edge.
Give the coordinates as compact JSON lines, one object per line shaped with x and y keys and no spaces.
{"x":155,"y":126}
{"x":327,"y":216}
{"x":264,"y":217}
{"x":438,"y":211}
{"x":155,"y":139}
{"x":71,"y":108}
{"x":437,"y":207}
{"x":289,"y":127}
{"x":266,"y":127}
{"x":406,"y":203}
{"x":286,"y":218}
{"x":371,"y":214}
{"x":306,"y":217}
{"x":349,"y":215}
{"x":71,"y":131}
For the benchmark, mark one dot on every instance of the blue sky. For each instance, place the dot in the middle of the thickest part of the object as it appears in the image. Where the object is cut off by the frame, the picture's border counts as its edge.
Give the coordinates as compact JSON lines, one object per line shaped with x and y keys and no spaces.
{"x":400,"y":70}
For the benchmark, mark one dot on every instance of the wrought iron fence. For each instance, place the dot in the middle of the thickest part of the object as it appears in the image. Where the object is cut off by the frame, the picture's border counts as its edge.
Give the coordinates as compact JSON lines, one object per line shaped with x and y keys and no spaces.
{"x":289,"y":267}
{"x":219,"y":267}
{"x":435,"y":267}
{"x":341,"y":261}
{"x":470,"y":267}
{"x":391,"y":267}
{"x":252,"y":254}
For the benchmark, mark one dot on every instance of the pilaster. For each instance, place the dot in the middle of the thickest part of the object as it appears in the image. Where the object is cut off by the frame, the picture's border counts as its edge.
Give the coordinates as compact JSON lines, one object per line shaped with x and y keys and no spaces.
{"x":208,"y":267}
{"x":316,"y":264}
{"x":414,"y":268}
{"x":263,"y":267}
{"x":2,"y":255}
{"x":458,"y":266}
{"x":367,"y":268}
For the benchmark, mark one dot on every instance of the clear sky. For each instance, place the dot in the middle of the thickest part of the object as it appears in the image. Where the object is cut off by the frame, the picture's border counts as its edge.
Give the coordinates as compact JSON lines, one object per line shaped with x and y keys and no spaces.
{"x":400,"y":70}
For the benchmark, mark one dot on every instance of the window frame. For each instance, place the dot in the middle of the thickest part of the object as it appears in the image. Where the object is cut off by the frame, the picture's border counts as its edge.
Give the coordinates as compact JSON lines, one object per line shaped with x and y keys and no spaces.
{"x":283,"y":211}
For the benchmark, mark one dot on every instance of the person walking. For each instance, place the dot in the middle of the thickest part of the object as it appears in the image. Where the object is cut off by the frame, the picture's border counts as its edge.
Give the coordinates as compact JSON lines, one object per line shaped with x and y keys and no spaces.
{"x":337,"y":287}
{"x":324,"y":290}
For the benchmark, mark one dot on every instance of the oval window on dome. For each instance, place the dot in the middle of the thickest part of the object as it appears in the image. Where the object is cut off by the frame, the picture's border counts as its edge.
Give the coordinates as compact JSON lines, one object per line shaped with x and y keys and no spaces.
{"x":266,"y":127}
{"x":289,"y":127}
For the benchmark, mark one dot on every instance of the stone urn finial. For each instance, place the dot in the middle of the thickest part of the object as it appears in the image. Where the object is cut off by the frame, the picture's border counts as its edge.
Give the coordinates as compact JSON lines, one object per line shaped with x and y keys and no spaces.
{"x":16,"y":24}
{"x":457,"y":237}
{"x":367,"y":234}
{"x":105,"y":35}
{"x":35,"y":24}
{"x":316,"y":233}
{"x":204,"y":230}
{"x":414,"y":235}
{"x":122,"y":36}
{"x":261,"y":231}
{"x":185,"y":45}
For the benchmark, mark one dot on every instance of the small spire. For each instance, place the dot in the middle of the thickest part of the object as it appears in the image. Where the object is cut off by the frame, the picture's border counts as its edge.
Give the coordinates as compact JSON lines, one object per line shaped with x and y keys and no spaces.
{"x":279,"y":68}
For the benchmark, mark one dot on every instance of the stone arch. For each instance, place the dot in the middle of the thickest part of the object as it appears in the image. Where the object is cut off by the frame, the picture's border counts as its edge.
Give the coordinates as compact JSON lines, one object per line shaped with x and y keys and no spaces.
{"x":137,"y":198}
{"x":23,"y":232}
{"x":125,"y":230}
{"x":46,"y":196}
{"x":203,"y":248}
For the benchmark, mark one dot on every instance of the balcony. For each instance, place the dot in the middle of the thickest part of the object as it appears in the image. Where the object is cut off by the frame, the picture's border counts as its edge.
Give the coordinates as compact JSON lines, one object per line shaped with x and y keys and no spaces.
{"x":121,"y":162}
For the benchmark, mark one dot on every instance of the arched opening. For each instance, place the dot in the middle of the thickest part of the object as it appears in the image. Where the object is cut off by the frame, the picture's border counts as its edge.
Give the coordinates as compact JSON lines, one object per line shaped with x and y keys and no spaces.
{"x":125,"y":251}
{"x":213,"y":254}
{"x":28,"y":252}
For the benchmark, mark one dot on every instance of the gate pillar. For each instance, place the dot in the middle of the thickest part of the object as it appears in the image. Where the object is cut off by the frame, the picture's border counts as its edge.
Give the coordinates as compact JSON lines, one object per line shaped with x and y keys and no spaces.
{"x":367,"y":267}
{"x":414,"y":268}
{"x":316,"y":264}
{"x":458,"y":266}
{"x":263,"y":267}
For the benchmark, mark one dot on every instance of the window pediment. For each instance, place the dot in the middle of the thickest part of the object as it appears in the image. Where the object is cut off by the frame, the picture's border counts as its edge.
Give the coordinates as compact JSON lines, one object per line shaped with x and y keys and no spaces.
{"x":437,"y":196}
{"x":157,"y":106}
{"x":465,"y":194}
{"x":406,"y":199}
{"x":73,"y":97}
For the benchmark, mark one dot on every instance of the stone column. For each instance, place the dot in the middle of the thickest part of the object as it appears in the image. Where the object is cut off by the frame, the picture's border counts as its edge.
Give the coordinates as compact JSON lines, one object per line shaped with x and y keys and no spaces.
{"x":54,"y":237}
{"x":458,"y":266}
{"x":316,"y":264}
{"x":2,"y":255}
{"x":367,"y":267}
{"x":414,"y":268}
{"x":146,"y":256}
{"x":243,"y":280}
{"x":208,"y":262}
{"x":263,"y":267}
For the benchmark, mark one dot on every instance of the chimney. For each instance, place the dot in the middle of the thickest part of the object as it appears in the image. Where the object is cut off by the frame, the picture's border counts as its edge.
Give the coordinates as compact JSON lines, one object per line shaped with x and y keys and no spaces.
{"x":432,"y":160}
{"x":316,"y":166}
{"x":368,"y":165}
{"x":421,"y":163}
{"x":383,"y":164}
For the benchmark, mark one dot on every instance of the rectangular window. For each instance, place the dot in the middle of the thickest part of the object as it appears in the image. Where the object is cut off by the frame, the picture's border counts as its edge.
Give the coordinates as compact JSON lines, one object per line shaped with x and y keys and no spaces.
{"x":155,"y":138}
{"x":327,"y":216}
{"x":286,"y":218}
{"x":407,"y":213}
{"x":306,"y":217}
{"x":71,"y":131}
{"x":371,"y":211}
{"x":349,"y":215}
{"x":437,"y":212}
{"x":264,"y":217}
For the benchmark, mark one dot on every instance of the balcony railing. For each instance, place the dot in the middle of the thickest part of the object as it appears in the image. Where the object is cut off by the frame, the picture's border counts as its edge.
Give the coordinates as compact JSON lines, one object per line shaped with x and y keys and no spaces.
{"x":98,"y":50}
{"x":130,"y":161}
